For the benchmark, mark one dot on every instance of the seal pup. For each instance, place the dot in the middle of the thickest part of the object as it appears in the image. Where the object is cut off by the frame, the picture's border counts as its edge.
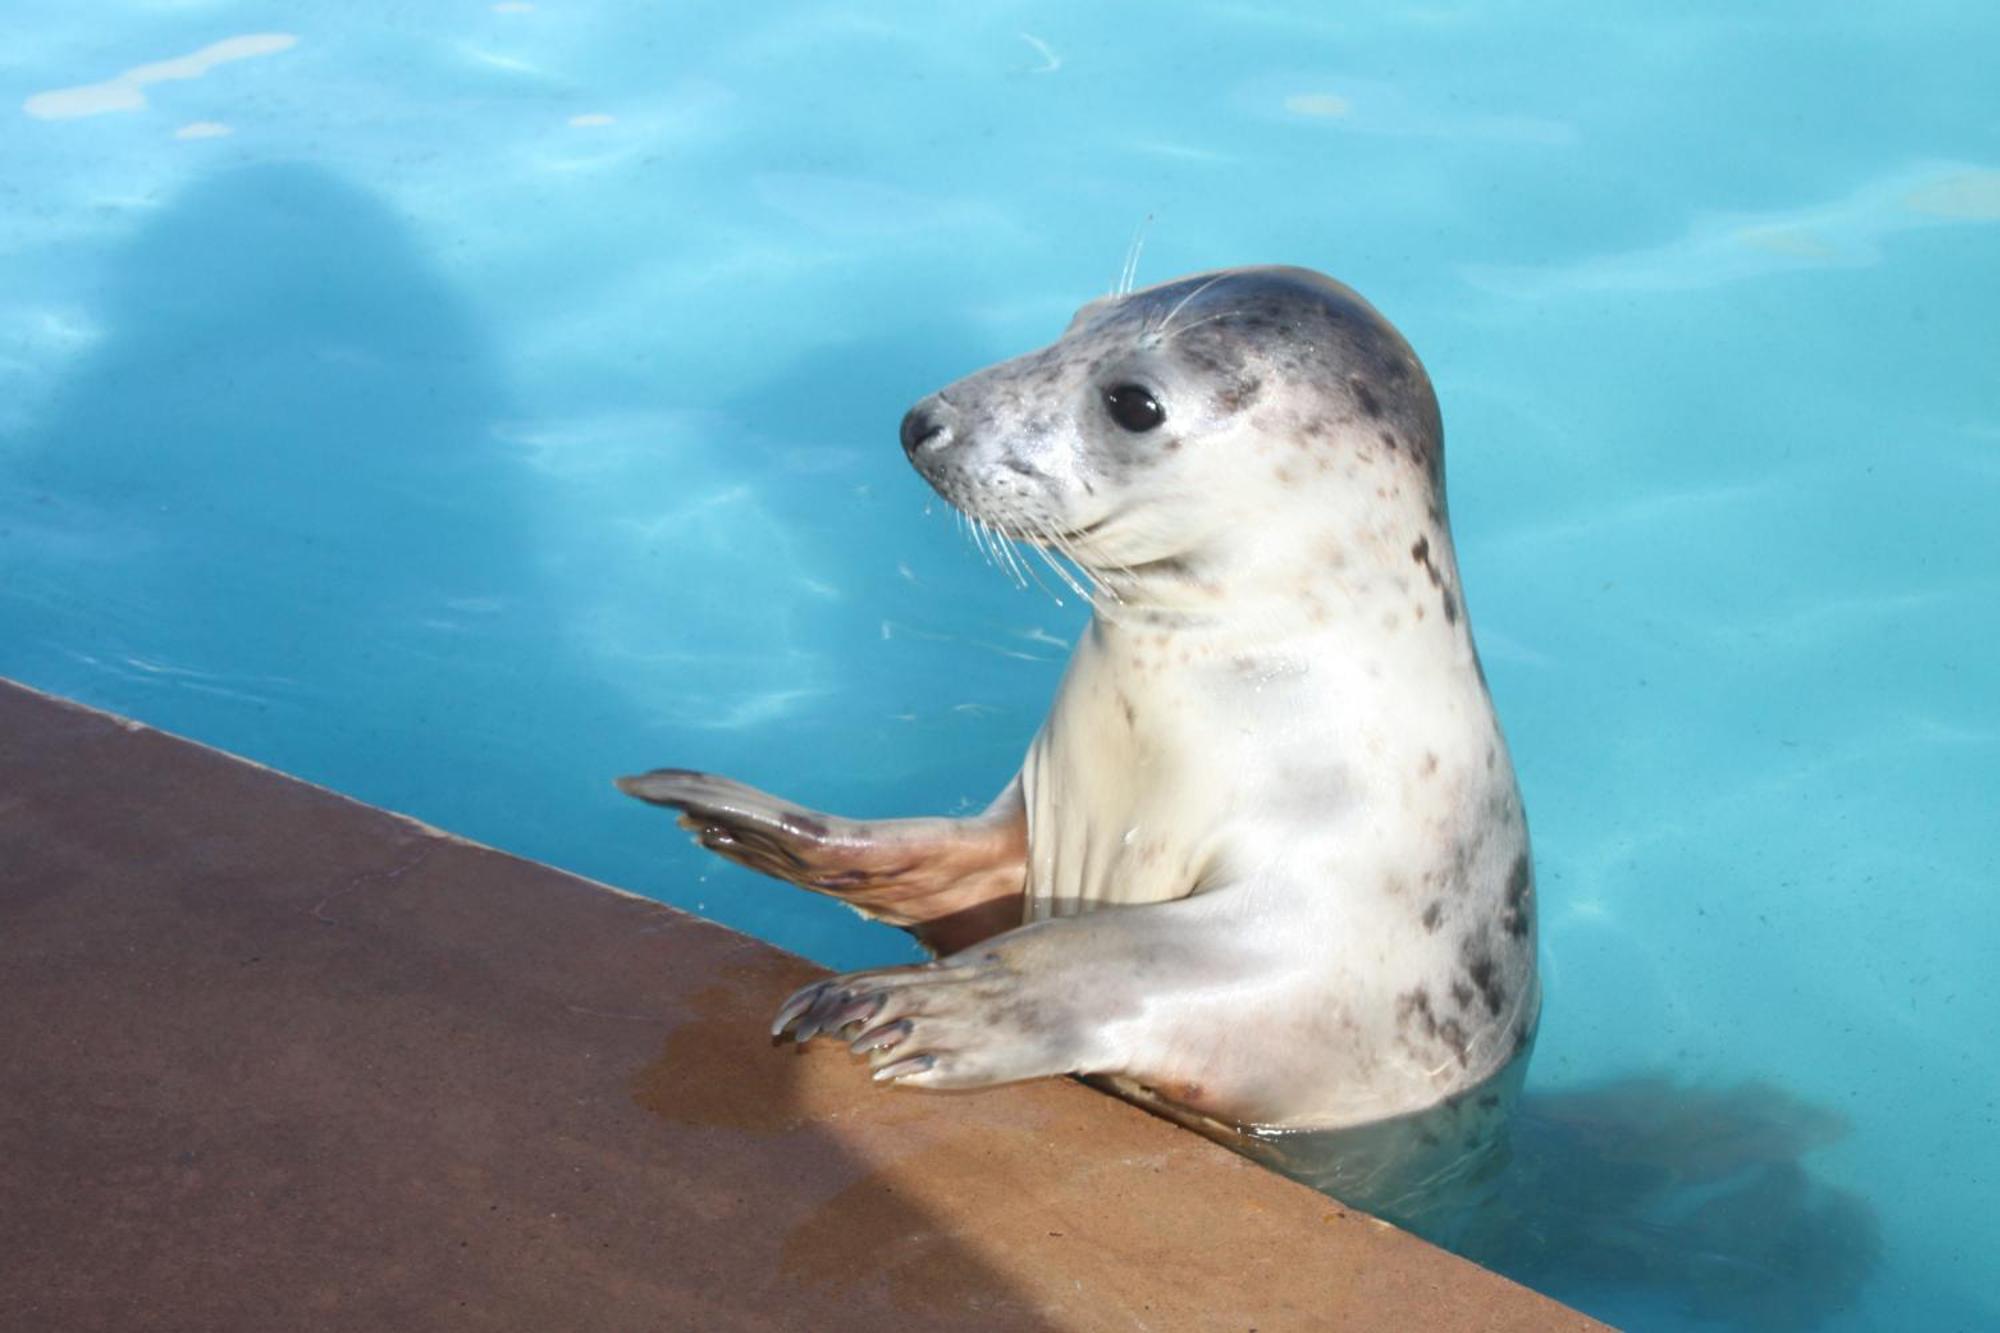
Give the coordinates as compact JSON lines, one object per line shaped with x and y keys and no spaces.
{"x":1265,"y":866}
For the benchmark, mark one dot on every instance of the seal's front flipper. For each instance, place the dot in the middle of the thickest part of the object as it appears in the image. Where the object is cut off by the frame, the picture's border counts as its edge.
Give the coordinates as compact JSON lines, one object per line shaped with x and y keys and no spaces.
{"x":747,"y":826}
{"x":1158,"y":994}
{"x":951,"y":882}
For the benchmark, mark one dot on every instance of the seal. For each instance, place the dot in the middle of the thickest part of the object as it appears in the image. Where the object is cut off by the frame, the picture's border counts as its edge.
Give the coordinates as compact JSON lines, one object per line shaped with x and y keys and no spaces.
{"x":1265,"y":866}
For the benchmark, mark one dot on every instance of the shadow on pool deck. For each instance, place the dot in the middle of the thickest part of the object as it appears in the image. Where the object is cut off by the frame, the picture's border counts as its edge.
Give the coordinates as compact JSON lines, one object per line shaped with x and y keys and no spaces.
{"x":276,"y":1059}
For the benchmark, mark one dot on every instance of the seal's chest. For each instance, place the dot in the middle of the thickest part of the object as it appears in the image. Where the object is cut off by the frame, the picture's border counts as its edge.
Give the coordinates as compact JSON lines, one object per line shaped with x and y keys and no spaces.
{"x":1092,"y":844}
{"x":1126,"y":785}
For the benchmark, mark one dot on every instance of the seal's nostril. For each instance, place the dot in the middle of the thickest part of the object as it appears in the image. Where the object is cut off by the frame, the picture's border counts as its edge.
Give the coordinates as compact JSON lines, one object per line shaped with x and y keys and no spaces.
{"x":920,"y":427}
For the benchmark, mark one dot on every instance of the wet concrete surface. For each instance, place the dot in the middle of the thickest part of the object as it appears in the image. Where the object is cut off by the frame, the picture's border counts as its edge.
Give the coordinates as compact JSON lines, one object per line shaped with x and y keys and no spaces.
{"x":272,"y":1059}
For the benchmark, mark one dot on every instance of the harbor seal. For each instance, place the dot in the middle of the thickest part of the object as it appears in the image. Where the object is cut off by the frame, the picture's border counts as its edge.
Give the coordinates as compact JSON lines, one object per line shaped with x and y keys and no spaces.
{"x":1265,"y":865}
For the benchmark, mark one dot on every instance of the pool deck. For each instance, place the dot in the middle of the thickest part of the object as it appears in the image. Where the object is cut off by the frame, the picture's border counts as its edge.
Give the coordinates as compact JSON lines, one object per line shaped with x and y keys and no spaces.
{"x":273,"y":1059}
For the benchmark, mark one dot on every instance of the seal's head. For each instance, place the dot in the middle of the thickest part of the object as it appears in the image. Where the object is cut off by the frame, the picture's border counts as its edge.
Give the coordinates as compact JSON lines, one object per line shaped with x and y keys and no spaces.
{"x":1185,"y":428}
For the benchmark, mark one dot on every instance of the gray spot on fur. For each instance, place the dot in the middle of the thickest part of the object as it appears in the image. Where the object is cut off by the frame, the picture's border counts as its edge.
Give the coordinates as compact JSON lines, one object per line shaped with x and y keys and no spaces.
{"x":1421,"y":553}
{"x":1364,"y":397}
{"x":1483,"y":972}
{"x":1517,"y":919}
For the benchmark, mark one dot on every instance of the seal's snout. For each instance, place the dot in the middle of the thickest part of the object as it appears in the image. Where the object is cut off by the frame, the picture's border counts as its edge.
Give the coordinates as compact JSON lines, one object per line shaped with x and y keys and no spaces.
{"x":926,"y":428}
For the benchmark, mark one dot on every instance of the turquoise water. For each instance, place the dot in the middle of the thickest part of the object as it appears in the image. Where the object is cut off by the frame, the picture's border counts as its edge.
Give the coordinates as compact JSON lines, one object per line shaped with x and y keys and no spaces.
{"x":459,"y":405}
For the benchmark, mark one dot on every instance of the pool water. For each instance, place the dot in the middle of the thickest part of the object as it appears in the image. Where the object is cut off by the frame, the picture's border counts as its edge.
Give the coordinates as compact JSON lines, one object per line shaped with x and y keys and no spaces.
{"x":460,"y":405}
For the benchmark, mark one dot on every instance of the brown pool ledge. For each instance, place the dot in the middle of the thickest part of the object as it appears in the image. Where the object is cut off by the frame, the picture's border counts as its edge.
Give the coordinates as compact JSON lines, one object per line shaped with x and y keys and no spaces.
{"x":274,"y":1060}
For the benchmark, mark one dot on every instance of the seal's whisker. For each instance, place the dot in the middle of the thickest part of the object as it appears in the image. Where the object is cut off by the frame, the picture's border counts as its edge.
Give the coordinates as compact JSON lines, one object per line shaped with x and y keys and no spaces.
{"x":1205,"y":319}
{"x":1004,"y":549}
{"x":984,"y":540}
{"x":1015,"y":563}
{"x":1180,"y":305}
{"x":993,"y":551}
{"x":1099,"y":590}
{"x":1067,"y":546}
{"x":1047,"y":533}
{"x":1129,"y":275}
{"x":1063,"y":575}
{"x":977,"y":537}
{"x":1029,"y":565}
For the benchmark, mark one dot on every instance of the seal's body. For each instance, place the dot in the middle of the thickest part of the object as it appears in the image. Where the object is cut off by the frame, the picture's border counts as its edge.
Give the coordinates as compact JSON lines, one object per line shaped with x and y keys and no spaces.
{"x":1265,"y":864}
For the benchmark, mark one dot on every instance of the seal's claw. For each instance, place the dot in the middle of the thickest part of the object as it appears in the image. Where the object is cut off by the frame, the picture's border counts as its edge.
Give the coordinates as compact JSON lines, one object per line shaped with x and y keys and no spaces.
{"x":801,"y":1000}
{"x":839,"y":1010}
{"x":818,"y":1017}
{"x":827,"y":1007}
{"x":881,"y":1038}
{"x":903,"y":1069}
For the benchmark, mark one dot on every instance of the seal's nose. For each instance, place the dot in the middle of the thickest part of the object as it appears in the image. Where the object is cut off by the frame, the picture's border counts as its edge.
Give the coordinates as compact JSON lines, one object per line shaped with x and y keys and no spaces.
{"x":925,"y":429}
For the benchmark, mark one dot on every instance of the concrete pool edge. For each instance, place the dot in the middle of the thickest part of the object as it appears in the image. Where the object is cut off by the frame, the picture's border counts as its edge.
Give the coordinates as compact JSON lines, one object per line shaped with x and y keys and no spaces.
{"x":278,"y":1058}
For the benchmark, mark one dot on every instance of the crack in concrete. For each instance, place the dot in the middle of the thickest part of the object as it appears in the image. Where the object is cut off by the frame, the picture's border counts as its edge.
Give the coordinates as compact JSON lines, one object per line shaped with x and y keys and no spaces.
{"x":366,"y":878}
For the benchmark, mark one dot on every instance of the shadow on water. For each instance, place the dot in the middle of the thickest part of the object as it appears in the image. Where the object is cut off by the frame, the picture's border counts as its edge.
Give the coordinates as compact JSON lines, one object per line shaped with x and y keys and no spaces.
{"x":266,"y":509}
{"x":1640,"y":1200}
{"x":1699,"y":1198}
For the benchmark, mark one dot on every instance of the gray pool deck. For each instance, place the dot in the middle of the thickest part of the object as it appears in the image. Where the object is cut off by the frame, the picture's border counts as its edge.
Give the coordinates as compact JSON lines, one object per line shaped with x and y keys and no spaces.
{"x":272,"y":1060}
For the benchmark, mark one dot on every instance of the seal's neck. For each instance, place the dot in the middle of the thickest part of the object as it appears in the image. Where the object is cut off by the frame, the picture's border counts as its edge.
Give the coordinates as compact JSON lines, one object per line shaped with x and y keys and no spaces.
{"x":1380,"y":569}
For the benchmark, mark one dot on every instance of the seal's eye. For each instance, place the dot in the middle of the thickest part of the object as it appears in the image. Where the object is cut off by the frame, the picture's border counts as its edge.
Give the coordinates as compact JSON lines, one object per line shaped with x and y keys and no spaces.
{"x":1134,"y":408}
